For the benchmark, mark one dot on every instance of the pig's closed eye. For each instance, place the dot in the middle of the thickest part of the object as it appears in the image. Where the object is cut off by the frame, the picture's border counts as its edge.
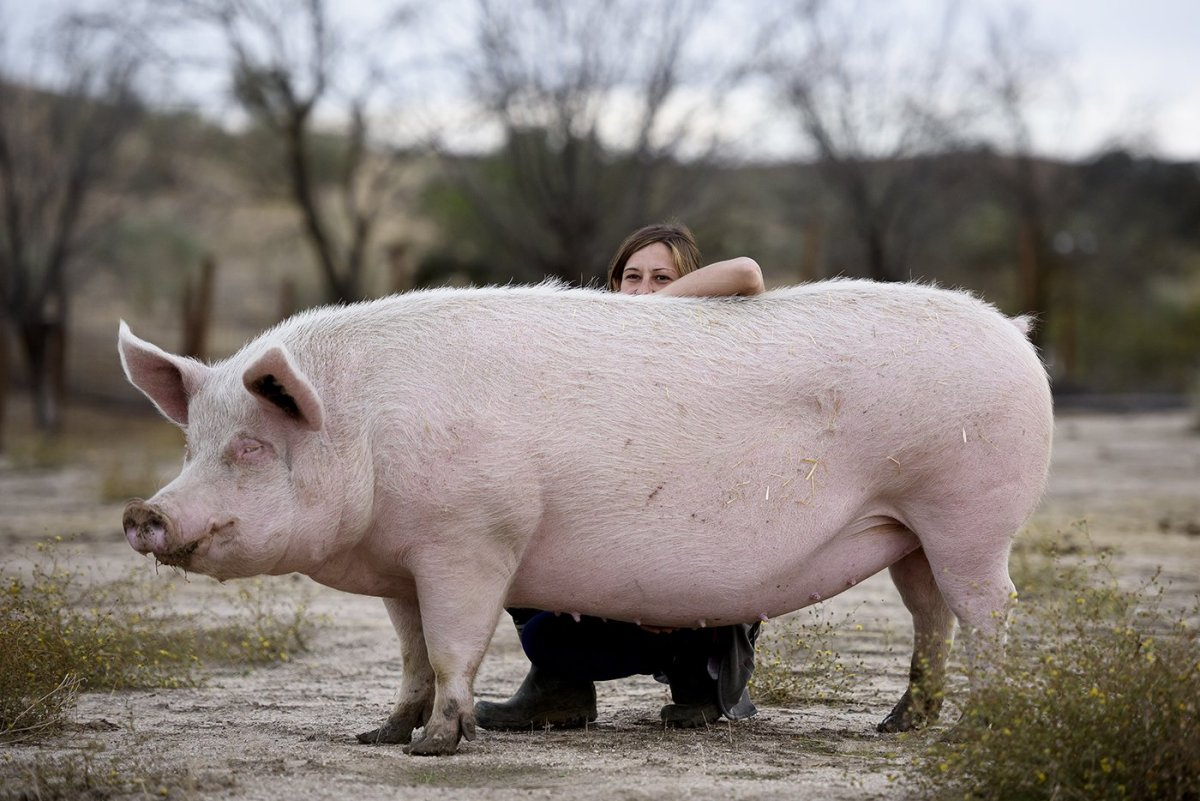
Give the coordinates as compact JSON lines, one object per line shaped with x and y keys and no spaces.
{"x":246,"y":450}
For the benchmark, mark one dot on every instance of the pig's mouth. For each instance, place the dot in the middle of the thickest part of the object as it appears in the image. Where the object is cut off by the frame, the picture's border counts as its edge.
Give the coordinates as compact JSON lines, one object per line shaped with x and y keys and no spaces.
{"x":178,"y":557}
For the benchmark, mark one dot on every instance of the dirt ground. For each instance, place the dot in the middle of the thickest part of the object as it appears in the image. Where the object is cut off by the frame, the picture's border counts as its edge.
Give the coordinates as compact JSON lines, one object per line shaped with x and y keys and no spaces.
{"x":286,"y":731}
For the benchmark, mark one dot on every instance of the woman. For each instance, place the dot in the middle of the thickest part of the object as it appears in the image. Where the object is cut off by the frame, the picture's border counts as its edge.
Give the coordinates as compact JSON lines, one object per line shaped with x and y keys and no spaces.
{"x":707,"y":669}
{"x":665,"y":258}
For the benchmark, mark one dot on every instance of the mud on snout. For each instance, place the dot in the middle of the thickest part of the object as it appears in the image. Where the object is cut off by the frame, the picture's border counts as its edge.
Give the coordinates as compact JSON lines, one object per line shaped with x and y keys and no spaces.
{"x":150,"y":530}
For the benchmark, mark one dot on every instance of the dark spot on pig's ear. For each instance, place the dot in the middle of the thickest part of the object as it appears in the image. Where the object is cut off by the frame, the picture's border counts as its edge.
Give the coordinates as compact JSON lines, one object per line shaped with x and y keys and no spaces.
{"x":268,"y":388}
{"x":280,"y":387}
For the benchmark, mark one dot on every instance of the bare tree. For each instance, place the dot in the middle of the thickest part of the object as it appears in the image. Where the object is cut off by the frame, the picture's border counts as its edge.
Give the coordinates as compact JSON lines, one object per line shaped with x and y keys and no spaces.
{"x":289,"y":63}
{"x":872,"y":107}
{"x":586,"y":100}
{"x":1013,"y":70}
{"x":196,"y":309}
{"x":58,"y":142}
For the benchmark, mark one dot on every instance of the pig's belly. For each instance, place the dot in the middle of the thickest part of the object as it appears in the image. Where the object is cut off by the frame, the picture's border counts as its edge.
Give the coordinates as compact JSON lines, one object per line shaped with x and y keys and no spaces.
{"x":675,"y":587}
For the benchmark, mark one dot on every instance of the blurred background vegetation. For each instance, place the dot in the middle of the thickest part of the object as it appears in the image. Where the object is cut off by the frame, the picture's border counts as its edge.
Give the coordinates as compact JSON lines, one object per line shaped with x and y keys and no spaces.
{"x":202,"y":168}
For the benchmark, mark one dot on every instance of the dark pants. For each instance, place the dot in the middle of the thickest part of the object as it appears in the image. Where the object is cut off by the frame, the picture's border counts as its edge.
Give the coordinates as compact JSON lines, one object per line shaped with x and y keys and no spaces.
{"x":601,"y":650}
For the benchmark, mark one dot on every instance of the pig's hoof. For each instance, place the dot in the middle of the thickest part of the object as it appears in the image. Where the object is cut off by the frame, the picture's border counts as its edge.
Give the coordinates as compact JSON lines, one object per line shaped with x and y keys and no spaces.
{"x":966,"y":728}
{"x":909,"y":715}
{"x":388,"y":734}
{"x":896,"y":721}
{"x":436,"y":745}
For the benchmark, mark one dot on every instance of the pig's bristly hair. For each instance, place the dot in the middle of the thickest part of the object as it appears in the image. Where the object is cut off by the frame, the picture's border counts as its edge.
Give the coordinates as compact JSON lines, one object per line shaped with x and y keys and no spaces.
{"x":311,"y":322}
{"x":459,"y":343}
{"x":841,"y":310}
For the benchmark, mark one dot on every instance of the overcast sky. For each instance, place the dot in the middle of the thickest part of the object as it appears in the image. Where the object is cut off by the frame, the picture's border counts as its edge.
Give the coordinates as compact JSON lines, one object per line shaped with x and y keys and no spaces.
{"x":1133,"y":70}
{"x":1133,"y":64}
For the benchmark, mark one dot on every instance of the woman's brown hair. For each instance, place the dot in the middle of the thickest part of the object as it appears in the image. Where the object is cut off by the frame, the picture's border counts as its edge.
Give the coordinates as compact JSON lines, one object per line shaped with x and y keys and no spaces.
{"x":676,"y":236}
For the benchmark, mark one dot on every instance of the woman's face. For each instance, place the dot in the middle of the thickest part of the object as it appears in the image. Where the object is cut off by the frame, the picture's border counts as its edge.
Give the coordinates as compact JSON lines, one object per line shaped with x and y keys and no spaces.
{"x":648,"y":270}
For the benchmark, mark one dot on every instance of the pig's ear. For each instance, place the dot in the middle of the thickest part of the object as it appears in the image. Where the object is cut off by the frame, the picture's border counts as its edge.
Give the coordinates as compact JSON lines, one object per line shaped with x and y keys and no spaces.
{"x":279,"y":386}
{"x":166,"y":379}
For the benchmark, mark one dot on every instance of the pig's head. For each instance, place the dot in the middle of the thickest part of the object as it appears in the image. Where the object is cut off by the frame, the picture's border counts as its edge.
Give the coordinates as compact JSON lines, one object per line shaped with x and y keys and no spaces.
{"x":256,"y":494}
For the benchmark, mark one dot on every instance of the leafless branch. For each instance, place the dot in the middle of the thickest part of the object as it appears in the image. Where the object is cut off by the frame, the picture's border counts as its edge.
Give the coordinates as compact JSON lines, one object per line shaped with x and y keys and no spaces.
{"x":587,"y":99}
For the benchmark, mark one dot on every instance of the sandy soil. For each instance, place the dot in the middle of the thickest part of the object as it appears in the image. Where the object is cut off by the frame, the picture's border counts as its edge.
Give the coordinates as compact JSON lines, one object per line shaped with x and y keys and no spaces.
{"x":286,"y":731}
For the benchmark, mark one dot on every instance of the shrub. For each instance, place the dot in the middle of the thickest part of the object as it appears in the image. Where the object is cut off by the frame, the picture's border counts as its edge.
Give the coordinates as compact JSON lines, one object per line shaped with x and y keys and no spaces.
{"x":1098,"y":697}
{"x":61,"y":634}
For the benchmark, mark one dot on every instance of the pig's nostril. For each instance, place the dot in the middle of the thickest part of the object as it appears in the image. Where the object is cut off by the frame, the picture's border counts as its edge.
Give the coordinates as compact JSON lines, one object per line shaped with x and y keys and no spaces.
{"x":131,"y":534}
{"x":145,"y":527}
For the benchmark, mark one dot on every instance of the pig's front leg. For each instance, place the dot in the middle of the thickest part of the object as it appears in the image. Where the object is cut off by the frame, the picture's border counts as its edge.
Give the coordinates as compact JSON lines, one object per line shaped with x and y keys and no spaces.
{"x":459,"y":609}
{"x":417,"y":683}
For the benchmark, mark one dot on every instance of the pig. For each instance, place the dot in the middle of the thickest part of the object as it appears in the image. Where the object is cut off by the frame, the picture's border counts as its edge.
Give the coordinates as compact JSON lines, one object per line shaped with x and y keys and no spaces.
{"x":673,"y":462}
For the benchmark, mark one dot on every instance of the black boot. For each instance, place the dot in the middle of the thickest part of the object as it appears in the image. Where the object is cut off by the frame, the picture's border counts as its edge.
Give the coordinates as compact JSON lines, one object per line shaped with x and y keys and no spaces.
{"x":690,"y":716}
{"x":691,"y":709}
{"x":541,"y":700}
{"x":693,"y":691}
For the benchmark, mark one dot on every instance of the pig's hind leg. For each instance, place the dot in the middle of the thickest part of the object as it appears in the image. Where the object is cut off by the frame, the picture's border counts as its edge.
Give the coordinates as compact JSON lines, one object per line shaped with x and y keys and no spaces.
{"x":415,"y":704}
{"x":968,"y":555}
{"x":933,"y":634}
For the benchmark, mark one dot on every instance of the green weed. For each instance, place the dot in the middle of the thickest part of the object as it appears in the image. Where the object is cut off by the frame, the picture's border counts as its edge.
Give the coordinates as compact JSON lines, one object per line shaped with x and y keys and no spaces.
{"x":797,"y":661}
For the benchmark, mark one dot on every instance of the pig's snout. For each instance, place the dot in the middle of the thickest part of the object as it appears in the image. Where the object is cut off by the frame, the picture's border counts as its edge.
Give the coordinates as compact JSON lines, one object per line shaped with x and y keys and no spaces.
{"x":148,"y":529}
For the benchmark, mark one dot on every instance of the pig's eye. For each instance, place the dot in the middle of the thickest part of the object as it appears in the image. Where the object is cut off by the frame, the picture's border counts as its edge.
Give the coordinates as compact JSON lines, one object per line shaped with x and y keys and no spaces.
{"x":247,"y":450}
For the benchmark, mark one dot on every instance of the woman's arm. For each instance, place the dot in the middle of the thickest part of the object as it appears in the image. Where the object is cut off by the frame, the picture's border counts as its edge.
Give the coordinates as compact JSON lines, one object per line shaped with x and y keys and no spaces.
{"x":740,"y":276}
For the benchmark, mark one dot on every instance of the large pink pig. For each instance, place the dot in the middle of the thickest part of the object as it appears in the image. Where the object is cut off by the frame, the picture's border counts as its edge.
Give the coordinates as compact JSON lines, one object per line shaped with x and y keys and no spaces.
{"x":668,"y":461}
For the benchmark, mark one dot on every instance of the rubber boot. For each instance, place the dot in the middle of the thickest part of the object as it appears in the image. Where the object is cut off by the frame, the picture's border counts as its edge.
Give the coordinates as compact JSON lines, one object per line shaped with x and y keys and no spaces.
{"x":542,"y":700}
{"x":694,"y":693}
{"x":690,"y":716}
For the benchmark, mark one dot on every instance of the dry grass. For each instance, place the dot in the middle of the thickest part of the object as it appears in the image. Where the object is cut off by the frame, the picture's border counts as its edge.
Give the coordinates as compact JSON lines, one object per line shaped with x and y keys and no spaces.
{"x":94,"y":774}
{"x":63,"y":633}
